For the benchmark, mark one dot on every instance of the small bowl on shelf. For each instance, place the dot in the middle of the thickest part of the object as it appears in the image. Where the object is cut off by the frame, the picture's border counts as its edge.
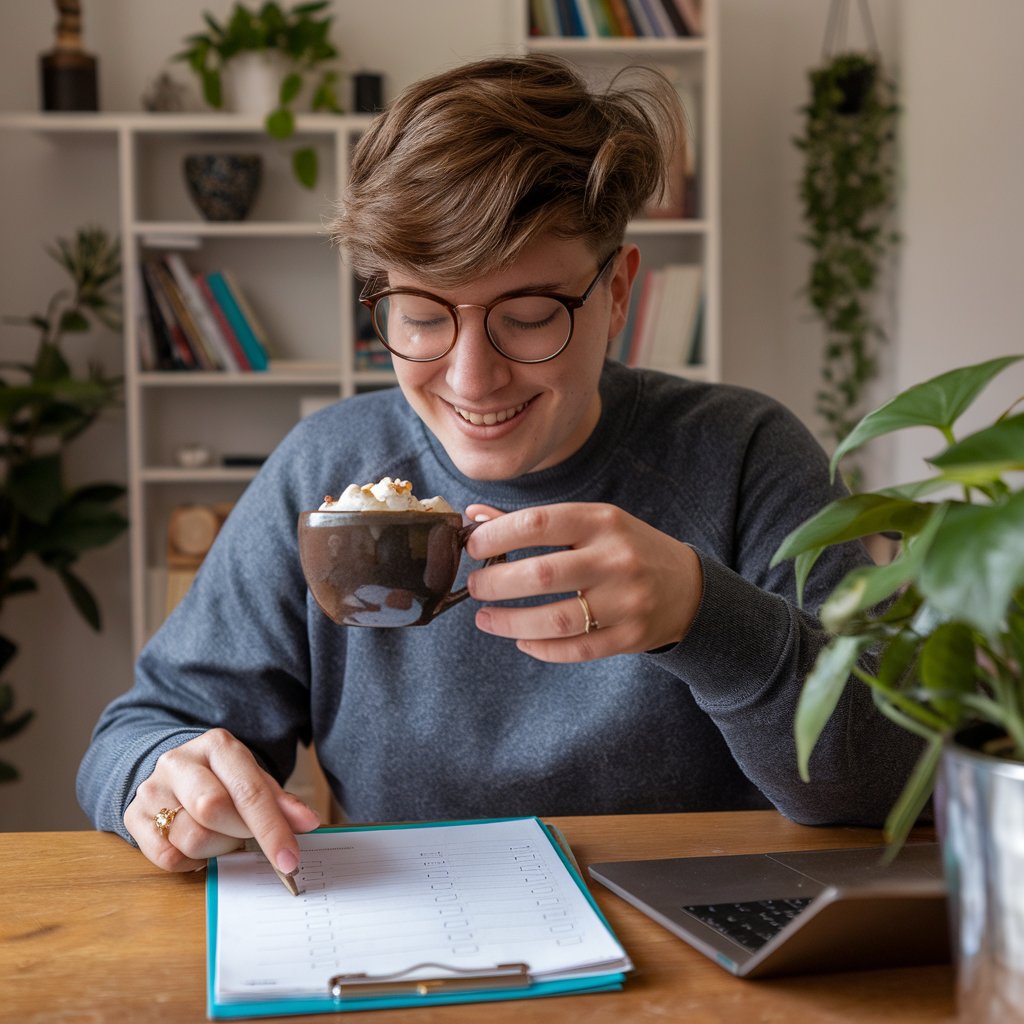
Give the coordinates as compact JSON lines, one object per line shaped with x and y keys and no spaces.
{"x":223,"y":186}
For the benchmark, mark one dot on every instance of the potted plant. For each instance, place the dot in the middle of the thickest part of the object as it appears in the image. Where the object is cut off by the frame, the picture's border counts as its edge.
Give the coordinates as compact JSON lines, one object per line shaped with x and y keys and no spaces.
{"x":297,"y":38}
{"x":846,"y":191}
{"x":44,"y":405}
{"x":945,"y":620}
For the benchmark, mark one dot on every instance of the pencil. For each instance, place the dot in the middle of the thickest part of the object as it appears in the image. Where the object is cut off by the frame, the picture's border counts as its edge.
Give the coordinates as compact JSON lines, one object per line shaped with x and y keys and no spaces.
{"x":288,"y":881}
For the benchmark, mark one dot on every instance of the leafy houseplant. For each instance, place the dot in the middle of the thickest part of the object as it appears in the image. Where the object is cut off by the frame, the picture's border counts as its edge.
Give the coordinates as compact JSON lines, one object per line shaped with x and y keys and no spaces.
{"x":846,"y":191}
{"x":946,"y":617}
{"x":43,"y":406}
{"x":298,"y":34}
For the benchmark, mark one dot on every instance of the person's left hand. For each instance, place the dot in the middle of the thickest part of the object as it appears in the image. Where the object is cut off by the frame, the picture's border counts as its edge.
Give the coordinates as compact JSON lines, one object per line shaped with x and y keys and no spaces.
{"x":642,"y":587}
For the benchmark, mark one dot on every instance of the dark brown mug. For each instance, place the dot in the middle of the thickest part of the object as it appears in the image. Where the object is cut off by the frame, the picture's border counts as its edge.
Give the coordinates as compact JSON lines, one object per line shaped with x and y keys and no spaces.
{"x":383,"y":568}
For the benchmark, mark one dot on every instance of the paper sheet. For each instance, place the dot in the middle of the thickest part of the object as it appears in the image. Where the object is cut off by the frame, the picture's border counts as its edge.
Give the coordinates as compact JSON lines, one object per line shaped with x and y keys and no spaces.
{"x":381,"y":901}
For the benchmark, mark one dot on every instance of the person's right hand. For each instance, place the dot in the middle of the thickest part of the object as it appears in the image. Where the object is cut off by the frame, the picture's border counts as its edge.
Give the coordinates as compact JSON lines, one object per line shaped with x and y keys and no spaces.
{"x":224,"y":797}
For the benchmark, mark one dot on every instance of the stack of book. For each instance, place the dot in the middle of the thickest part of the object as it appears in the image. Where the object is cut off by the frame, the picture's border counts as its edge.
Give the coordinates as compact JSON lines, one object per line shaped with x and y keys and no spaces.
{"x":196,"y":321}
{"x":624,"y":19}
{"x":665,"y":323}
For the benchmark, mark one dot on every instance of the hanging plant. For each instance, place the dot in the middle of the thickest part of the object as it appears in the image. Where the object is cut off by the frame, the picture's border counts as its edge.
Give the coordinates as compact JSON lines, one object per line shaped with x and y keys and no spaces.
{"x":847,"y":191}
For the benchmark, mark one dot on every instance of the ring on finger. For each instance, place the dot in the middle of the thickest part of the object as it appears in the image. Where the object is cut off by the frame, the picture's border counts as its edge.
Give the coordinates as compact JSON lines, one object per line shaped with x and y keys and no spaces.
{"x":589,"y":622}
{"x":163,"y":818}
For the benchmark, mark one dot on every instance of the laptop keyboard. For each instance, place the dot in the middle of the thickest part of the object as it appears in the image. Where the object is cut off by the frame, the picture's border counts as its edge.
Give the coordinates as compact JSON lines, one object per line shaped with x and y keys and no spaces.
{"x":750,"y":924}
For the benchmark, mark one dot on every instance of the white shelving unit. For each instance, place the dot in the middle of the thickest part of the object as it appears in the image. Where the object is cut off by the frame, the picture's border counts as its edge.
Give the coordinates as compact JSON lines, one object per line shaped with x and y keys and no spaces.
{"x":693,"y":64}
{"x":280,"y":257}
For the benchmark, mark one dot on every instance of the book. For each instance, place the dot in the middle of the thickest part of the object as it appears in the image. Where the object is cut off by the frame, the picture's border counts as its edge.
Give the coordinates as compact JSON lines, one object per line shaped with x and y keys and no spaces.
{"x":601,"y":18}
{"x":673,"y":337}
{"x":206,"y":324}
{"x":406,"y":915}
{"x":692,"y":12}
{"x":622,"y":19}
{"x":149,"y":358}
{"x":203,"y":356}
{"x":569,"y":21}
{"x":250,"y":314}
{"x":641,"y":19}
{"x":227,"y":332}
{"x":678,"y":24}
{"x":658,"y":18}
{"x":167,"y":330}
{"x":255,"y":353}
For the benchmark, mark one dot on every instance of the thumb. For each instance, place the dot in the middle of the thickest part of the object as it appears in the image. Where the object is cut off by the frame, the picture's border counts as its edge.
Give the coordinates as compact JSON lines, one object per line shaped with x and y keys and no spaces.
{"x":482,"y":513}
{"x":300,"y":816}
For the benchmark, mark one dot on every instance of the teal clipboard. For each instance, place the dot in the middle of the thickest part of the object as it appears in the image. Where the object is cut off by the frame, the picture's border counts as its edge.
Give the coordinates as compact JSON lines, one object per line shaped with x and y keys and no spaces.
{"x":341,"y":993}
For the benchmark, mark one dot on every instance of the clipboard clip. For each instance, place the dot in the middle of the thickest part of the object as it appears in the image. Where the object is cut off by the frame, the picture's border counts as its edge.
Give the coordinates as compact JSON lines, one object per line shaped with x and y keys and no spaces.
{"x":457,"y":979}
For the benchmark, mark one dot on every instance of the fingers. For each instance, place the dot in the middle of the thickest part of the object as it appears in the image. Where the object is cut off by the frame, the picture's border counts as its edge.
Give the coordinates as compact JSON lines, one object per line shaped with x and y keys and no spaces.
{"x":223,"y":796}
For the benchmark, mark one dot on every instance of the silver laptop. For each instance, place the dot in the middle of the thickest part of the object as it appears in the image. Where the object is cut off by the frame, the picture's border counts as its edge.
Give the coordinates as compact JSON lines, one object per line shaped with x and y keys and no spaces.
{"x":759,"y":915}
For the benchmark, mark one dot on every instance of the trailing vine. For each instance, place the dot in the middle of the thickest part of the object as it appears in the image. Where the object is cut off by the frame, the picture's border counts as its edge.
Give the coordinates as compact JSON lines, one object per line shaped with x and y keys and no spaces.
{"x":847,"y":191}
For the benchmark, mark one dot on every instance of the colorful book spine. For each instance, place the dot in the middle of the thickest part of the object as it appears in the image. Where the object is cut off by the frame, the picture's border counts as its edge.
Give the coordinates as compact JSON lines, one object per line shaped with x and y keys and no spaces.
{"x":173,"y":341}
{"x":216,"y":345}
{"x":255,"y":353}
{"x":237,"y":352}
{"x":204,"y":357}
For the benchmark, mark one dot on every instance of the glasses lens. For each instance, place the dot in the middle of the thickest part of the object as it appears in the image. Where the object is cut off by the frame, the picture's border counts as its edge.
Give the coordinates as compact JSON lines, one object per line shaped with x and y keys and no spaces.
{"x":414,"y":326}
{"x":529,"y":327}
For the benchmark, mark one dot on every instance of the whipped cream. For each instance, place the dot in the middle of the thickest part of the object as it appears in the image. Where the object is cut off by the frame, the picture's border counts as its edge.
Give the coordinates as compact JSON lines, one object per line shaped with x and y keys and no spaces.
{"x":386,"y":495}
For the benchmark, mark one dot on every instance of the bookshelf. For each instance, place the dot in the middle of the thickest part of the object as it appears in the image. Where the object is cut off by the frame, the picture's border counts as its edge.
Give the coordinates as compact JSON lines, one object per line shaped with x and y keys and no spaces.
{"x":600,"y":46}
{"x":298,"y":287}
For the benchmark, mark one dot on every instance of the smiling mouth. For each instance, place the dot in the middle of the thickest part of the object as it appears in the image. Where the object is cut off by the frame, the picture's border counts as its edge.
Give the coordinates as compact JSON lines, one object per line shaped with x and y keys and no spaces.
{"x":489,"y":419}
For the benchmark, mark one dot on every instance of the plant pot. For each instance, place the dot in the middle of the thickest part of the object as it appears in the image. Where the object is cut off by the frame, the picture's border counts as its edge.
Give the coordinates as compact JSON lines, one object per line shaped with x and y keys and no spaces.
{"x":980,"y":810}
{"x":223,"y":185}
{"x":252,"y":81}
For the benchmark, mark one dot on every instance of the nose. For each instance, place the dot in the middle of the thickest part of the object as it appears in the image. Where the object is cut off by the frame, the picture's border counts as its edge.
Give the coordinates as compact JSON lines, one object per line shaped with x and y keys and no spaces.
{"x":475,"y":368}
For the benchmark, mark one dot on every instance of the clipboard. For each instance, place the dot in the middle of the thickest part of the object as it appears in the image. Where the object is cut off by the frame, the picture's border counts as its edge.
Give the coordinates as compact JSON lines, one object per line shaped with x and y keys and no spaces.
{"x":424,"y":982}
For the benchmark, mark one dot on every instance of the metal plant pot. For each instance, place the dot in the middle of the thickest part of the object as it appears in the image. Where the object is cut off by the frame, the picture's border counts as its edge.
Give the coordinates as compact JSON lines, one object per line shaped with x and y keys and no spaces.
{"x":980,"y":809}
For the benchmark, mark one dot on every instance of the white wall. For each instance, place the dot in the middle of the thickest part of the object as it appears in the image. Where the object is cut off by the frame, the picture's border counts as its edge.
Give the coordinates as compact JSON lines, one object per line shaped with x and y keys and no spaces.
{"x":960,"y":273}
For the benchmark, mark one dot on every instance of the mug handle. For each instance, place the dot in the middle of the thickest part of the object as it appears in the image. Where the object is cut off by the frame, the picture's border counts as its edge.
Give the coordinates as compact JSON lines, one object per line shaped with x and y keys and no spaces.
{"x":455,"y":596}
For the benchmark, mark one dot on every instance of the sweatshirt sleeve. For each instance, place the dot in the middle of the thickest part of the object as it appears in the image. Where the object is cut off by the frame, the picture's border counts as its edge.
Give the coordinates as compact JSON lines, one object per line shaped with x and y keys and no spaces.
{"x":751,"y":646}
{"x":232,"y":654}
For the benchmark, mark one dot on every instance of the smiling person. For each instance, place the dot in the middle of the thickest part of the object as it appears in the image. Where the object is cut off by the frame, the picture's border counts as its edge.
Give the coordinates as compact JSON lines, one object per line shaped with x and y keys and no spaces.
{"x":635,"y":653}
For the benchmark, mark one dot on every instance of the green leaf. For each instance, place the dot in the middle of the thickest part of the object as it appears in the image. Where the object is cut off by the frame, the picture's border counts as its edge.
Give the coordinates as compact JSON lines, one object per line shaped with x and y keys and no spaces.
{"x":73,"y":322}
{"x":863,"y":588}
{"x":280,"y":123}
{"x":8,"y":773}
{"x":937,"y":402}
{"x":35,"y":487}
{"x":8,"y":649}
{"x":858,"y":515}
{"x":985,"y":455}
{"x":821,"y":692}
{"x":50,"y":365}
{"x":82,"y":598}
{"x":976,"y":563}
{"x":947,"y":667}
{"x":291,"y":86}
{"x":213,"y":91}
{"x":915,"y":795}
{"x":304,"y":164}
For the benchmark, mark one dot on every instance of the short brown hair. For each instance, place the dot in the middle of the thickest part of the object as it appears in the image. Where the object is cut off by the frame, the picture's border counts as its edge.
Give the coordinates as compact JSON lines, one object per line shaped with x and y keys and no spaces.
{"x":467,"y":167}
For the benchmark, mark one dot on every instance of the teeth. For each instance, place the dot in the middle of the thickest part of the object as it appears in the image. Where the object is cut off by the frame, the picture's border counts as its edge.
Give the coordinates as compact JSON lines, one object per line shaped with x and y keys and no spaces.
{"x":490,"y":418}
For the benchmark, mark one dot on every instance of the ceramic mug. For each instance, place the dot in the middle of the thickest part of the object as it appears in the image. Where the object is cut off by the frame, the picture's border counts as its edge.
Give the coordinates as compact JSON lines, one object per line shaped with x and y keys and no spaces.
{"x":384,"y":568}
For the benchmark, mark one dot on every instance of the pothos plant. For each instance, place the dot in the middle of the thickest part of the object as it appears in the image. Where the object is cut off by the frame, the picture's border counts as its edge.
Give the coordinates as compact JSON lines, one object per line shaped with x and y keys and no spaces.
{"x":847,"y":194}
{"x":301,"y":35}
{"x":946,"y":617}
{"x":44,"y":405}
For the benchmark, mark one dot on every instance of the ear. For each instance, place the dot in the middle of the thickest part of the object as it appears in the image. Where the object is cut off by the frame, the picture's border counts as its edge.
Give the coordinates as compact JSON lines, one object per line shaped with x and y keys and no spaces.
{"x":624,"y":274}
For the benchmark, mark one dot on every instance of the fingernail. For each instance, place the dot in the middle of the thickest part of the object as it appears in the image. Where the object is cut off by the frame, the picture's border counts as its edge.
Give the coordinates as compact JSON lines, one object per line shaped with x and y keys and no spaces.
{"x":288,"y":862}
{"x":481,"y":517}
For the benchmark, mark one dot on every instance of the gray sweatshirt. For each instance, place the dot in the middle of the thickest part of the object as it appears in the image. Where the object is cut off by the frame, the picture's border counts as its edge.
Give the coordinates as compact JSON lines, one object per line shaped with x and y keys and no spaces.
{"x":443,"y":721}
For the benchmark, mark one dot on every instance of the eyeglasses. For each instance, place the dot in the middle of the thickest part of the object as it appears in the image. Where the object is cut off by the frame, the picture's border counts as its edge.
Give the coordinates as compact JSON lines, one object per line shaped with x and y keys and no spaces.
{"x":526,"y":327}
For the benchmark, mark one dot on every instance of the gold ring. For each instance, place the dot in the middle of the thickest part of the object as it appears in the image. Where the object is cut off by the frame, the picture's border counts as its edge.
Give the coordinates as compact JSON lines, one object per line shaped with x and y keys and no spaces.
{"x":163,"y":818}
{"x":589,"y":622}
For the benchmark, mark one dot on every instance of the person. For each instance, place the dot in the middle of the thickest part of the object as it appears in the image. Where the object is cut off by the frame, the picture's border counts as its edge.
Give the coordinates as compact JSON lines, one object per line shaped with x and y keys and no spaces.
{"x":637,"y":651}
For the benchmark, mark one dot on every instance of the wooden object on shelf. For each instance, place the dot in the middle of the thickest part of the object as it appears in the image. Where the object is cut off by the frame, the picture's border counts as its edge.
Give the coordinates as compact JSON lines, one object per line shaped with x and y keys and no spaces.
{"x":190,"y":535}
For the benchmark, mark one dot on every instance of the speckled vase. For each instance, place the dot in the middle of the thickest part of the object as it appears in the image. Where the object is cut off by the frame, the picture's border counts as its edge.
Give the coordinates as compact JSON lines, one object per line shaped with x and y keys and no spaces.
{"x":223,"y":186}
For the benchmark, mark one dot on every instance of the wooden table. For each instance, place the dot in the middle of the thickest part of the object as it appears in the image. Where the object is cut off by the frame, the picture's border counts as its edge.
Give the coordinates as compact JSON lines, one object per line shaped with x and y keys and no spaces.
{"x":92,"y":933}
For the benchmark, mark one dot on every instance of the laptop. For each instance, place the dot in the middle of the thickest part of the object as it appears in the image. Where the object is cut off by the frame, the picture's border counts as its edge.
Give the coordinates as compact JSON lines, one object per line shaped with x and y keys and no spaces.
{"x":800,"y":912}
